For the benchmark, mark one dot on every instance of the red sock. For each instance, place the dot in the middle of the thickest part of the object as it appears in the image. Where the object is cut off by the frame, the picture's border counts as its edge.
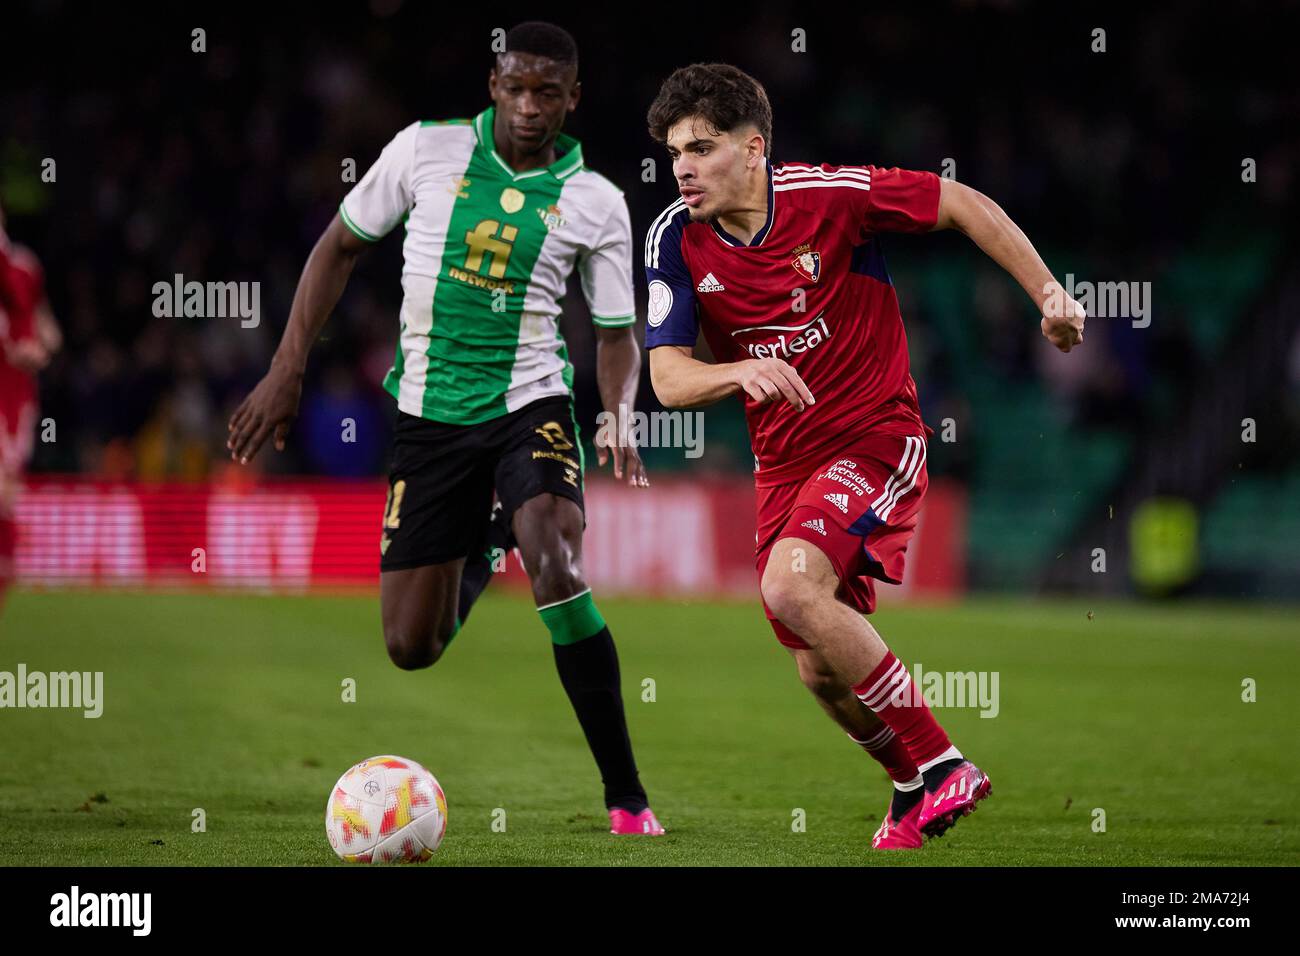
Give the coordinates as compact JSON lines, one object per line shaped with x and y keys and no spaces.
{"x":887,"y":748}
{"x":892,"y":696}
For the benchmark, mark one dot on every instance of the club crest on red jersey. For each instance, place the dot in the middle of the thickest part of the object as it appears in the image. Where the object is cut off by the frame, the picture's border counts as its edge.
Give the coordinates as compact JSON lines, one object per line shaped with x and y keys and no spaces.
{"x":807,"y":263}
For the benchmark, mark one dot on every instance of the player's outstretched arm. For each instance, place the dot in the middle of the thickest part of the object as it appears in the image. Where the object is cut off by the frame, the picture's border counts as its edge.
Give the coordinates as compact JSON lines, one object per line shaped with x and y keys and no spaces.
{"x":979,"y":217}
{"x":273,"y":403}
{"x":618,"y":371}
{"x":682,"y":381}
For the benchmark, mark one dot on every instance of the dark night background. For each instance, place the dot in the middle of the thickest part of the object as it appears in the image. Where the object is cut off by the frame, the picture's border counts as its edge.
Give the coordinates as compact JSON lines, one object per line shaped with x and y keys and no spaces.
{"x":1120,"y":166}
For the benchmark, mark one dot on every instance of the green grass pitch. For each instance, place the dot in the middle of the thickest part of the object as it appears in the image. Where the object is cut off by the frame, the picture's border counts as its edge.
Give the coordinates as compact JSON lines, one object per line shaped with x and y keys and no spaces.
{"x":234,"y":705}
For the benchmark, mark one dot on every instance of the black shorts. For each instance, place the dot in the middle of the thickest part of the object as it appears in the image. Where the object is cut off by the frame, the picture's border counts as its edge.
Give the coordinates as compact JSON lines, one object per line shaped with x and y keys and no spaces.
{"x":442,"y":479}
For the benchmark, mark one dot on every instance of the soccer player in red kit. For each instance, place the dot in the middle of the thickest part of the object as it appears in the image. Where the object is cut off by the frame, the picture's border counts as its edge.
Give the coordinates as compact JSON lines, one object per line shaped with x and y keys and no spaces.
{"x":781,"y":269}
{"x":28,"y":337}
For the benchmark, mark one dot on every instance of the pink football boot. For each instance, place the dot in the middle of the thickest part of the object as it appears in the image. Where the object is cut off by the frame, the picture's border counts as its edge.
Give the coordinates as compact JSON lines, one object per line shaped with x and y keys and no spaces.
{"x":901,"y":834}
{"x":956,"y":797}
{"x":621,"y":821}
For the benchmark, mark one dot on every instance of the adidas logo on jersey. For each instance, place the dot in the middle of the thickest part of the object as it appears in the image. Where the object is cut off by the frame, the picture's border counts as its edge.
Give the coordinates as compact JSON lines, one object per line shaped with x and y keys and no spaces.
{"x":839,"y":501}
{"x":816,"y":525}
{"x":710,"y":284}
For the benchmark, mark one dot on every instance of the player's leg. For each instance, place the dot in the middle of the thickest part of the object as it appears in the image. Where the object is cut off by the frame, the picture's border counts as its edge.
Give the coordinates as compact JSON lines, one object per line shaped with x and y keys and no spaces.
{"x":799,"y":586}
{"x":486,"y":558}
{"x":805,"y":601}
{"x":418,"y":607}
{"x":549,"y":530}
{"x":900,"y":829}
{"x":439,"y":481}
{"x":776,"y":503}
{"x":864,"y":728}
{"x":833,"y":693}
{"x":539,"y":481}
{"x":852,"y":522}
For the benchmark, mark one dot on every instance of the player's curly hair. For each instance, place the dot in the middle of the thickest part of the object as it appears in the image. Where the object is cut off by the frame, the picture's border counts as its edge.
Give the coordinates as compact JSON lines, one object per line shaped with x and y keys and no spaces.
{"x":543,"y":39}
{"x":726,"y":96}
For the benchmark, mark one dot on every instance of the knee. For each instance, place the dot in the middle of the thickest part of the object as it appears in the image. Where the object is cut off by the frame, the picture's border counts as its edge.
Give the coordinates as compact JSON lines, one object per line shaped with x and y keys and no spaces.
{"x":410,"y":655}
{"x":553,"y":563}
{"x":412,"y":646}
{"x":556,"y":578}
{"x":787,"y":594}
{"x":551,"y":545}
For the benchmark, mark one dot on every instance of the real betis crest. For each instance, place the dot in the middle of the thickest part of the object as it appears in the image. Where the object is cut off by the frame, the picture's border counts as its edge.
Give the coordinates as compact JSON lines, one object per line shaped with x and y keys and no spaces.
{"x":512,"y":200}
{"x":807,"y":263}
{"x":552,"y":217}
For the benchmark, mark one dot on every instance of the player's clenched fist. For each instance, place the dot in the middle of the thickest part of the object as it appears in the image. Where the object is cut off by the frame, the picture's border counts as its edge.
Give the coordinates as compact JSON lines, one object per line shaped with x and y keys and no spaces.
{"x":771,"y":380}
{"x":1063,"y":318}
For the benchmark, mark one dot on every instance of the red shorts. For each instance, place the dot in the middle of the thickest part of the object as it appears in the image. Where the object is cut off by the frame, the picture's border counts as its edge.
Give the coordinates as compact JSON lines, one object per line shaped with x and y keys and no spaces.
{"x":859,"y":509}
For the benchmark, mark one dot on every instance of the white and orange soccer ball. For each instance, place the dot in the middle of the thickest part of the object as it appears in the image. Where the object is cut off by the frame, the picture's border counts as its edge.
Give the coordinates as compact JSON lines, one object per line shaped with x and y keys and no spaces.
{"x":386,"y":810}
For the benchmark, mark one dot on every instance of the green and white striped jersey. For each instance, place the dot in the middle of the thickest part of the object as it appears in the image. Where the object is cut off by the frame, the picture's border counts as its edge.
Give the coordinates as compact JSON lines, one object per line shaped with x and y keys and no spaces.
{"x":487,"y":254}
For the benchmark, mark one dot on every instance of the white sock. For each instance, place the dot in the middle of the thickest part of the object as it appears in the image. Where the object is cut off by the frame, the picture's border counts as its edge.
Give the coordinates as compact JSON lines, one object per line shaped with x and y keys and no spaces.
{"x":910,"y":785}
{"x":952,"y":753}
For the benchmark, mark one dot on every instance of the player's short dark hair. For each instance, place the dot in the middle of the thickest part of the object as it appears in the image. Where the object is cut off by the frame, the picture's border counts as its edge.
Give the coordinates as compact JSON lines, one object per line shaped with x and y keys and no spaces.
{"x":543,"y":39}
{"x":726,"y":96}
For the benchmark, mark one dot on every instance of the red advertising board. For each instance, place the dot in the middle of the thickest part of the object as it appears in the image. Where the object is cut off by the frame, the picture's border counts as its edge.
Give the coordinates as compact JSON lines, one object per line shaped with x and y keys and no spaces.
{"x":679,"y":537}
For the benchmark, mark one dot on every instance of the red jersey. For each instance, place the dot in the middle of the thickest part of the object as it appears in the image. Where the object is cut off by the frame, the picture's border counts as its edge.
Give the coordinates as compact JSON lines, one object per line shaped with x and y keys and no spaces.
{"x":819,"y":251}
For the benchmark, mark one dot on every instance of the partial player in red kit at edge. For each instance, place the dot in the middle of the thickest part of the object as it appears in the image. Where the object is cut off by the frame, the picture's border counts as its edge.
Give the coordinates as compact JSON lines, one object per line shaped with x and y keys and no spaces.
{"x":781,"y":269}
{"x":28,"y":337}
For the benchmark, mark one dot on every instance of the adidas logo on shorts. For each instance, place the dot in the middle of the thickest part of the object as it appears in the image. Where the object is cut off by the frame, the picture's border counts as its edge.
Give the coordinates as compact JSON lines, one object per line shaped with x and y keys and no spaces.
{"x":816,"y":525}
{"x":710,"y":284}
{"x":839,"y":501}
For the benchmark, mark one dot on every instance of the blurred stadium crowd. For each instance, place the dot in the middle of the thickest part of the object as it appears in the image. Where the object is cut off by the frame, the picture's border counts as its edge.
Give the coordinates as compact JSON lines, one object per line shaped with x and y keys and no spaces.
{"x":1122,"y":165}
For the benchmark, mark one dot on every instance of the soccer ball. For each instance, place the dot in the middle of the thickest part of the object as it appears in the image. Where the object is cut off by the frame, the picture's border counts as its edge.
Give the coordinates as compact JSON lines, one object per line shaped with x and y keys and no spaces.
{"x":386,"y":810}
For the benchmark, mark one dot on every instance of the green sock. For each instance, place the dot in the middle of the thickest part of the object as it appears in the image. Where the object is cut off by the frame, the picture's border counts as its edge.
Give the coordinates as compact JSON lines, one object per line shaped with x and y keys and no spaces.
{"x":573,"y":619}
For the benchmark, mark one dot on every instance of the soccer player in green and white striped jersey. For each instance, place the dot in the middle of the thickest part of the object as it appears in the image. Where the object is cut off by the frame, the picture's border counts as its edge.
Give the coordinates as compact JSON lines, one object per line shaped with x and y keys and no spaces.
{"x":498,"y":211}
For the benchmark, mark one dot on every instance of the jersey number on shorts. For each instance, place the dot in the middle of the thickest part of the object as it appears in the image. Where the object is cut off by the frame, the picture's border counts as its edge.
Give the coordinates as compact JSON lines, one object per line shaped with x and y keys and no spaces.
{"x":393,"y":509}
{"x":553,"y":432}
